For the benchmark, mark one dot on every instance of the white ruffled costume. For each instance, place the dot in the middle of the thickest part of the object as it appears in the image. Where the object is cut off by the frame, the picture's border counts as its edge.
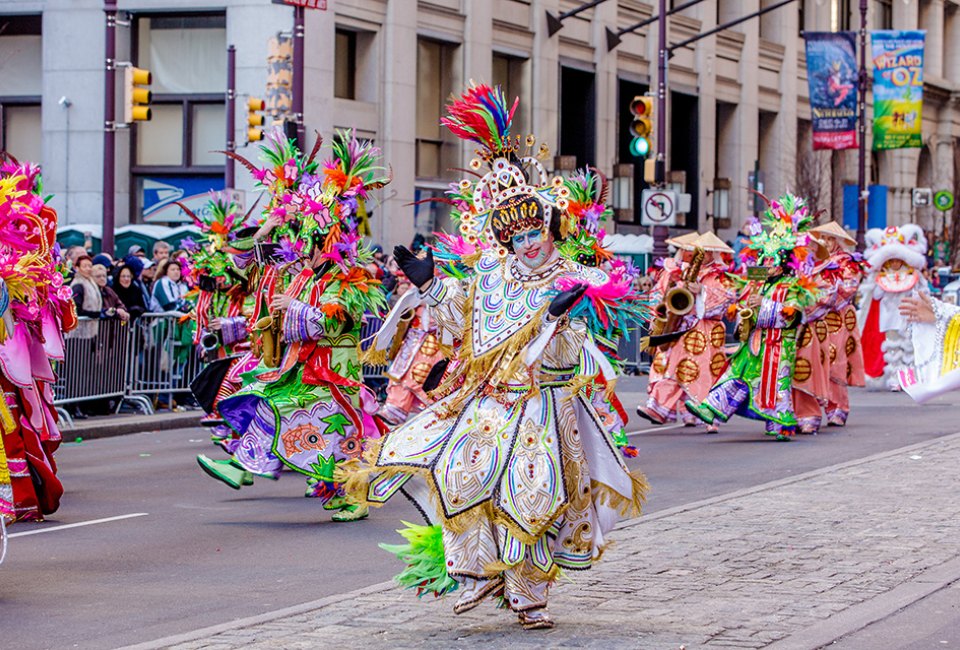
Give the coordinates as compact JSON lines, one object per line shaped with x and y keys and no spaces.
{"x":896,"y":257}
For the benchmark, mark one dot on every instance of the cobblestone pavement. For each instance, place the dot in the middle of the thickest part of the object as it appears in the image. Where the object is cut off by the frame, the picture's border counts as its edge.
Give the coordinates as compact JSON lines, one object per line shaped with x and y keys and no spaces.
{"x":746,"y":570}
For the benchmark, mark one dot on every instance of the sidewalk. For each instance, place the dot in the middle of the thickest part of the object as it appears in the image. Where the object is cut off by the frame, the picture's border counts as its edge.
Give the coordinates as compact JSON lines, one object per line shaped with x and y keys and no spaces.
{"x":106,"y":426}
{"x":796,"y":563}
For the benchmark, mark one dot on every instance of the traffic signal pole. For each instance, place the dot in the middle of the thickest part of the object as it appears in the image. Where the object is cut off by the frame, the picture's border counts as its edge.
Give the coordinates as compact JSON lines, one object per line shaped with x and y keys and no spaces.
{"x":660,"y":232}
{"x":109,"y":126}
{"x":229,"y":172}
{"x":298,"y":63}
{"x":862,"y":127}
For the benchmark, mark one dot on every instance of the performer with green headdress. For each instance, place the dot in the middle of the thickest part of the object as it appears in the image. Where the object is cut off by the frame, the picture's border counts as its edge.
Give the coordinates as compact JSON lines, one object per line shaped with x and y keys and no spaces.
{"x":305,"y":406}
{"x":757,"y":383}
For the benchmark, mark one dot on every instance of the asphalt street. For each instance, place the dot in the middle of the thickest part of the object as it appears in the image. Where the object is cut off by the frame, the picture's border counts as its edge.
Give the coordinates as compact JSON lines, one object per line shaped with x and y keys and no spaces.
{"x":185,"y":552}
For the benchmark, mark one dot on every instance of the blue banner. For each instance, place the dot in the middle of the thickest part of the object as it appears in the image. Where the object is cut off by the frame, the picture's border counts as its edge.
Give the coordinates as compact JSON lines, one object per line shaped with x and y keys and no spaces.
{"x":832,"y":75}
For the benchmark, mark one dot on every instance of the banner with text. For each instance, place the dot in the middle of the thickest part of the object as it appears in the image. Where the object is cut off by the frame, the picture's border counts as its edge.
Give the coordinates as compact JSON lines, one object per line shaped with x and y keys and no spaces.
{"x":897,"y":88}
{"x":832,"y":74}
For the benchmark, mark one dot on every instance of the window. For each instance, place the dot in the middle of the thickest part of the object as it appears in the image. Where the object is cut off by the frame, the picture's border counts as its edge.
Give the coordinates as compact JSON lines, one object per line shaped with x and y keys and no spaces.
{"x":839,"y":15}
{"x":21,"y":85}
{"x":345,"y":65}
{"x":509,"y":72}
{"x":884,"y":14}
{"x":436,"y":151}
{"x":22,"y":134}
{"x":174,"y":153}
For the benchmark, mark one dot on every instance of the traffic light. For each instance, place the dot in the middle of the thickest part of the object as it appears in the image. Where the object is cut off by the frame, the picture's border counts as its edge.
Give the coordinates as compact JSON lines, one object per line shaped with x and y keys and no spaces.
{"x":255,"y":120}
{"x":136,"y":98}
{"x":641,"y":127}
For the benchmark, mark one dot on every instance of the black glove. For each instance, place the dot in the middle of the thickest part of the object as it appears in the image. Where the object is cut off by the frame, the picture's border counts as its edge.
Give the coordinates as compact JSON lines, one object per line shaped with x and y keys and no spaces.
{"x":436,"y":375}
{"x":565,"y":300}
{"x":419,"y":271}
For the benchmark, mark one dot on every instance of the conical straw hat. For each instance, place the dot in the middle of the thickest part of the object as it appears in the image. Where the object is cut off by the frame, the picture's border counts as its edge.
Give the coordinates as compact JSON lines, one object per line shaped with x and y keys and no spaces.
{"x":834,"y":229}
{"x":710,"y":242}
{"x":684,"y":242}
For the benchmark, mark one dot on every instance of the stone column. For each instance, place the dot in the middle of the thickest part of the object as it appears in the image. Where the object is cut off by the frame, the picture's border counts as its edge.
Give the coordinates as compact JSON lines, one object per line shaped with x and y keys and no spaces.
{"x":398,"y":126}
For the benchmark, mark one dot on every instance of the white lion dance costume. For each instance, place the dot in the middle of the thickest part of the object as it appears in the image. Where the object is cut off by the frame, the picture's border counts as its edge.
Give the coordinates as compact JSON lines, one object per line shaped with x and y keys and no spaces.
{"x":896,"y":257}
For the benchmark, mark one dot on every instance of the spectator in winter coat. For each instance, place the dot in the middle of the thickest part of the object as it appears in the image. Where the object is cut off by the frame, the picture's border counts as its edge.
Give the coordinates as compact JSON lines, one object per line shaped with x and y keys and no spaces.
{"x":86,"y":293}
{"x":130,"y":291}
{"x":113,"y":307}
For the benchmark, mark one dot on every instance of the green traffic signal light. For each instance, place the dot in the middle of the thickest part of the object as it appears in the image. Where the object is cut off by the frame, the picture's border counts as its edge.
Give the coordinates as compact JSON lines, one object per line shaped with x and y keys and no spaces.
{"x":640,"y":147}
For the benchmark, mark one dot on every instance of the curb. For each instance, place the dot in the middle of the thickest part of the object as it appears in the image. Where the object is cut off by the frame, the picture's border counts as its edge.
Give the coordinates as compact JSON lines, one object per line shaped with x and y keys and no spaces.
{"x":110,"y":427}
{"x":841,"y":624}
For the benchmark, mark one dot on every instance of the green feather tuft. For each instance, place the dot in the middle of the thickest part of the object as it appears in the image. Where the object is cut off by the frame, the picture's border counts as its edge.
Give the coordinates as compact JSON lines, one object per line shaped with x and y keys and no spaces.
{"x":426,"y":569}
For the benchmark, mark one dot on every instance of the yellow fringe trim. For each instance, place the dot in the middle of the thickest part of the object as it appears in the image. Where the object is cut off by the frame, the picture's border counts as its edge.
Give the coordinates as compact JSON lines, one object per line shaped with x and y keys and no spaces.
{"x":527,"y":570}
{"x":626,"y":507}
{"x":373,"y":357}
{"x":493,"y":368}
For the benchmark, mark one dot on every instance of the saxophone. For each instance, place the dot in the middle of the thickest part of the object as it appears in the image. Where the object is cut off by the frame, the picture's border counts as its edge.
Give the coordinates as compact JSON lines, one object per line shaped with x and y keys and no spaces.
{"x":271,"y":330}
{"x":678,"y":301}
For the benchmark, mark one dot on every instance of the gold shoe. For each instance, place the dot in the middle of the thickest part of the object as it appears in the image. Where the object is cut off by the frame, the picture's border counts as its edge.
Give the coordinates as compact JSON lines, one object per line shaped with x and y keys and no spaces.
{"x":535,"y":619}
{"x":473,"y":595}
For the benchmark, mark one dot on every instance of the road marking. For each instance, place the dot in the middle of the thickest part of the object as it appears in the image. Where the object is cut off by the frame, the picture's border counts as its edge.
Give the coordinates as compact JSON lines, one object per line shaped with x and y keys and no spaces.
{"x":78,"y":524}
{"x":652,"y":429}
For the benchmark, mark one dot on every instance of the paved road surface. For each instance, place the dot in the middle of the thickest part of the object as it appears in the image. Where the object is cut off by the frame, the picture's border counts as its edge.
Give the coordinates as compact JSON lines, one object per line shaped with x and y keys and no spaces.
{"x":204,"y":554}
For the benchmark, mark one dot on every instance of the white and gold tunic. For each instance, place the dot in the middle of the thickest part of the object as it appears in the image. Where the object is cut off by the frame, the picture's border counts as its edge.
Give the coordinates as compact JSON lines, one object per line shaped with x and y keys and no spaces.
{"x":519,"y":465}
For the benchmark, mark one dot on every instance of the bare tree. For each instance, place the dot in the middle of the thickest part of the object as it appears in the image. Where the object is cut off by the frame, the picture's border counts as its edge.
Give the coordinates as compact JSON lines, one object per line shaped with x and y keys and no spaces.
{"x":813,"y":179}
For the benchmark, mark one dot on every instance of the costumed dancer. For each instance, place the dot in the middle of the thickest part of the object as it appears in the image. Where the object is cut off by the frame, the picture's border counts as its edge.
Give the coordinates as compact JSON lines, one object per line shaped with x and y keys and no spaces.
{"x":523,"y":477}
{"x":670,"y":276}
{"x":35,"y":310}
{"x":221,"y":311}
{"x":411,"y":341}
{"x":686,"y":368}
{"x":934,"y":328}
{"x":305,"y":406}
{"x":757,"y":383}
{"x":844,"y":350}
{"x":896,"y":257}
{"x":811,"y":369}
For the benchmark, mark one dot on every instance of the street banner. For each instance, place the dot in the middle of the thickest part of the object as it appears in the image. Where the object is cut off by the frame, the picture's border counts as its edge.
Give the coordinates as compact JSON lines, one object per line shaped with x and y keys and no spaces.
{"x":897,"y":88}
{"x":832,"y":74}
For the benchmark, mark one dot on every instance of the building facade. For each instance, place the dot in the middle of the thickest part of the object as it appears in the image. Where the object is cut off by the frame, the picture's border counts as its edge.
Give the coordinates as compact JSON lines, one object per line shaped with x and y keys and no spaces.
{"x":737,"y":100}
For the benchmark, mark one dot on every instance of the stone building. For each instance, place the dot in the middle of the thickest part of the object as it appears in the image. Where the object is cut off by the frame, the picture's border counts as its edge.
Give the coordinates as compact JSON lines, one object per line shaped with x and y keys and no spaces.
{"x":737,"y":99}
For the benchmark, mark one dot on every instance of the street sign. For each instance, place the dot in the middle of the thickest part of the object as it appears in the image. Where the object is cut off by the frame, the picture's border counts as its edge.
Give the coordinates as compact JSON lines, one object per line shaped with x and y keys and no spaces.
{"x":658,"y":208}
{"x":943,"y":200}
{"x":921,"y":196}
{"x":309,"y":4}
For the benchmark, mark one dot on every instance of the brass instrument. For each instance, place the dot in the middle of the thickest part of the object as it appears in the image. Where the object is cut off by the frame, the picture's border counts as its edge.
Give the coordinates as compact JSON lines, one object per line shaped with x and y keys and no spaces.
{"x":271,"y":330}
{"x":745,"y":326}
{"x":209,"y":344}
{"x":755,"y":275}
{"x":678,"y":301}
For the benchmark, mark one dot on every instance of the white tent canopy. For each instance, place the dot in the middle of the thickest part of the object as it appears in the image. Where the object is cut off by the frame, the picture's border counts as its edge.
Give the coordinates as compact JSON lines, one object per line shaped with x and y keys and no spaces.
{"x":629,"y":244}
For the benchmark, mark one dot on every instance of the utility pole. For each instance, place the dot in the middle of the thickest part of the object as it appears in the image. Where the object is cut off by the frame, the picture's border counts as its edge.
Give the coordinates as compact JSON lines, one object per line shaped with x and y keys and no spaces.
{"x":862,"y":128}
{"x":660,"y":232}
{"x":229,"y":177}
{"x":298,"y":63}
{"x":109,"y":125}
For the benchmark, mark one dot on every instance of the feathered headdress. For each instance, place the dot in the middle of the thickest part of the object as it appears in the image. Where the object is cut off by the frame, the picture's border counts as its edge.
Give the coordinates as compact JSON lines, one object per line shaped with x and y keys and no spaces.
{"x":782,"y":234}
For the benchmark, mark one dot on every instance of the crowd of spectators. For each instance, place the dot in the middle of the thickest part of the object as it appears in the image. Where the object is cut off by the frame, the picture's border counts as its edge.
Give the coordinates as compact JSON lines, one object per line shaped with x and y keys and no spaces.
{"x":128,"y":287}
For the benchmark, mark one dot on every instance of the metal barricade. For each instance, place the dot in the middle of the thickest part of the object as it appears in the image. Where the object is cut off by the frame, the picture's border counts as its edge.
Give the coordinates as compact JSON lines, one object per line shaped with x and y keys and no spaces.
{"x":165,"y":359}
{"x":97,"y":358}
{"x":635,"y":361}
